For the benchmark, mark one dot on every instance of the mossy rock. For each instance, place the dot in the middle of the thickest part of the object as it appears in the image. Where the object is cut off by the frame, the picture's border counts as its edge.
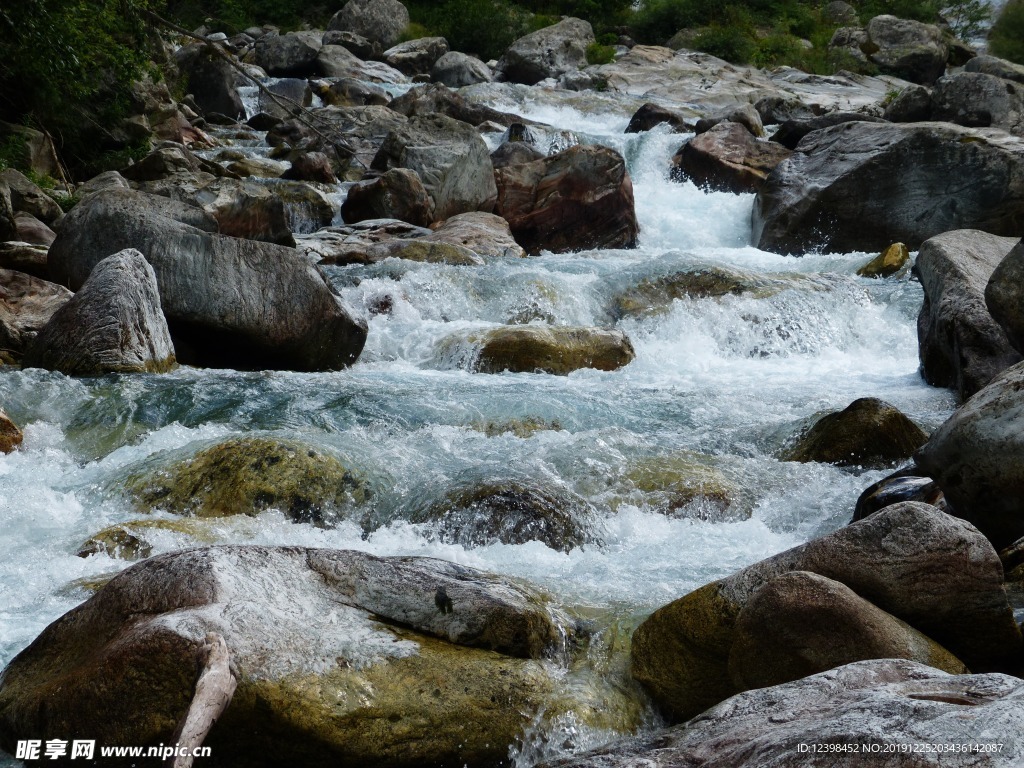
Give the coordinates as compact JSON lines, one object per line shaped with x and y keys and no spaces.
{"x":657,"y":294}
{"x":512,"y":512}
{"x":551,"y":349}
{"x":688,"y":485}
{"x":246,"y":476}
{"x":868,"y":433}
{"x":129,"y":540}
{"x":524,"y":428}
{"x":888,"y":262}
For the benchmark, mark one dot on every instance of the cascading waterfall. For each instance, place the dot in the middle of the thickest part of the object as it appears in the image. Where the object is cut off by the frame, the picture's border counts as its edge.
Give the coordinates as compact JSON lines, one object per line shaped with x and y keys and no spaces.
{"x":725,"y":379}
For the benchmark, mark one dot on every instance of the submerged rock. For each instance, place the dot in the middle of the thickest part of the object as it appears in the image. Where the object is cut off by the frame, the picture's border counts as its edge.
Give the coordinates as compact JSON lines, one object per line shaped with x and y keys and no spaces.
{"x":869,"y":432}
{"x":114,"y":324}
{"x":680,"y":654}
{"x":868,"y":704}
{"x":686,"y":485}
{"x":133,"y":540}
{"x":513,"y":513}
{"x":977,"y":458}
{"x":11,"y":435}
{"x":557,"y":350}
{"x":895,"y":176}
{"x":246,"y":476}
{"x":348,"y":658}
{"x":959,"y":343}
{"x":575,"y":200}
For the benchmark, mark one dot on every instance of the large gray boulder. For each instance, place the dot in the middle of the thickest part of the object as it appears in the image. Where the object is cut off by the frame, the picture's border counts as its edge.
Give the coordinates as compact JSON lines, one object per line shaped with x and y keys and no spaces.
{"x":228,"y":302}
{"x":1003,"y":295}
{"x":549,"y":52}
{"x":8,"y":229}
{"x":451,"y":159}
{"x":863,"y":186}
{"x":858,"y":714}
{"x":908,"y":49}
{"x":456,"y":70}
{"x":338,"y":61}
{"x":991,"y":65}
{"x":26,"y":197}
{"x":26,"y":305}
{"x":977,"y":458}
{"x":211,"y":80}
{"x":114,"y":324}
{"x":978,"y":99}
{"x":360,"y":660}
{"x":577,"y":199}
{"x":379,"y":21}
{"x":290,"y":55}
{"x":933,"y":571}
{"x":960,"y":344}
{"x":395,"y":194}
{"x":416,"y":57}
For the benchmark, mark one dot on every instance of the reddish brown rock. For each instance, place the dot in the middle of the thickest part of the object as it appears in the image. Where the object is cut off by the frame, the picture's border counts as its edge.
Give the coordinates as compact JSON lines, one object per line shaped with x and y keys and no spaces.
{"x":578,"y":199}
{"x":397,"y":194}
{"x":727,"y":158}
{"x":10,"y":435}
{"x":311,"y":166}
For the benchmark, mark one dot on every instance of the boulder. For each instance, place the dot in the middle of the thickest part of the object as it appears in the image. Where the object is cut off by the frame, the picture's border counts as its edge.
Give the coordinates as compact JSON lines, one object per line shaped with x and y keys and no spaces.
{"x":844,"y":176}
{"x":113,"y":324}
{"x":456,"y":70}
{"x":351,"y":92}
{"x":868,"y":706}
{"x":29,"y":229}
{"x":684,"y":484}
{"x":931,"y":570}
{"x":228,"y":302}
{"x":354,"y":243}
{"x":260,"y":167}
{"x":555,"y":350}
{"x":243,"y":209}
{"x":792,"y":132}
{"x":485,"y":234}
{"x":907,"y":49}
{"x":356,"y":44}
{"x":434,"y":98}
{"x":26,"y":197}
{"x":656,"y":294}
{"x":512,"y":512}
{"x":245,"y":476}
{"x":294,"y":54}
{"x":105,"y":180}
{"x":514,"y":153}
{"x":650,"y":115}
{"x":912,"y":105}
{"x":8,"y":229}
{"x":379,"y":21}
{"x":359,"y":660}
{"x":451,"y":159}
{"x":727,"y":158}
{"x":991,"y":65}
{"x":979,"y":100}
{"x":960,"y":344}
{"x":421,"y":250}
{"x":1003,"y":295}
{"x":800,"y":624}
{"x":311,"y":166}
{"x":416,"y":57}
{"x":840,"y":12}
{"x":868,"y":433}
{"x":136,"y":539}
{"x":25,"y":257}
{"x":903,"y":485}
{"x":211,"y":80}
{"x":338,"y":61}
{"x":364,"y":129}
{"x":977,"y":459}
{"x":549,"y":52}
{"x":578,"y":199}
{"x":26,"y":305}
{"x":282,"y":96}
{"x":306,"y":208}
{"x":396,"y":194}
{"x":889,"y":262}
{"x":11,"y":435}
{"x":745,"y":115}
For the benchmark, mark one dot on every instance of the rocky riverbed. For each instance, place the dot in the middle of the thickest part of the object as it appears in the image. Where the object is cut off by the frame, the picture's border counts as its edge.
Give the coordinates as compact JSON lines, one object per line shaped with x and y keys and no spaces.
{"x":403,"y":409}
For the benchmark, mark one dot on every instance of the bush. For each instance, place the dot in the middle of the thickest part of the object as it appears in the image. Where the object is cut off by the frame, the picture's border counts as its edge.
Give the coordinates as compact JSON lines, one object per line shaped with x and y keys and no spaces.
{"x":732,"y":43}
{"x":600,"y":54}
{"x":483,"y":27}
{"x":1006,"y":39}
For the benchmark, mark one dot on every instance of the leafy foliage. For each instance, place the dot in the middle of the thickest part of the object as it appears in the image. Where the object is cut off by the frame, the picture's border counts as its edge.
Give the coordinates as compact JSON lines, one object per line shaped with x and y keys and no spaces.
{"x":1006,"y":39}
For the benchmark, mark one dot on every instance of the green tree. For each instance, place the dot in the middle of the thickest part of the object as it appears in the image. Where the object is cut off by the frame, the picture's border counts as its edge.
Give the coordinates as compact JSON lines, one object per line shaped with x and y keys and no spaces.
{"x":1006,"y":39}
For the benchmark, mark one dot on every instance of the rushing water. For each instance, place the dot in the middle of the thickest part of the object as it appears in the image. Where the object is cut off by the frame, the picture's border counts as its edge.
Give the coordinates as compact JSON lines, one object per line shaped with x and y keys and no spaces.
{"x":729,"y":379}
